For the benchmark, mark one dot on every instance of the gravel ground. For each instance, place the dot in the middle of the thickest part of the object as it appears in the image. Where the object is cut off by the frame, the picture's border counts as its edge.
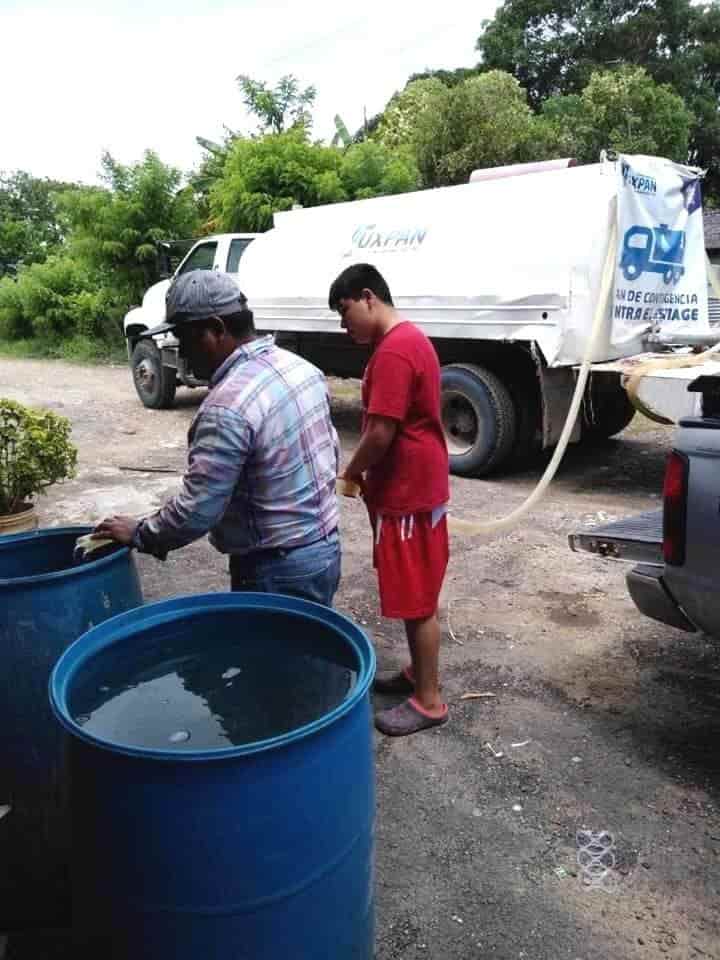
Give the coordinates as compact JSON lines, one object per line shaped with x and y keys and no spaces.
{"x":605,"y":721}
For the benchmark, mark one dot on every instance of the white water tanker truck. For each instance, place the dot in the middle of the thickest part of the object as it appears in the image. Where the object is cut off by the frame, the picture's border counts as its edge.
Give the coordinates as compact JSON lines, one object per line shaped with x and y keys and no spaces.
{"x":504,"y":274}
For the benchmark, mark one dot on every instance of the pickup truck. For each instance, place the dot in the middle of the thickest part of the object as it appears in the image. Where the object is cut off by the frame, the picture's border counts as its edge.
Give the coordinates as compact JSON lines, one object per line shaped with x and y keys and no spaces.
{"x":156,"y":367}
{"x":676,"y":549}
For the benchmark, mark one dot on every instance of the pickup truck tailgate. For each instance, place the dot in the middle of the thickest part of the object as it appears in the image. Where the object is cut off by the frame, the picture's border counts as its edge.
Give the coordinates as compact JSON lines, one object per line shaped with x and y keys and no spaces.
{"x":637,"y":539}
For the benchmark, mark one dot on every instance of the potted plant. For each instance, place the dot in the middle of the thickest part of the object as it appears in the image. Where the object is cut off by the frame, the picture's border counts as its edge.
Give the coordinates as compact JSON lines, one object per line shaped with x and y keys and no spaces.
{"x":35,"y":452}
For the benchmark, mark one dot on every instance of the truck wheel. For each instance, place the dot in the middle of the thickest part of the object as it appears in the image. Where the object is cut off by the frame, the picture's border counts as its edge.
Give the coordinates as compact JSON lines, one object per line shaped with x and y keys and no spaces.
{"x":606,"y":411}
{"x":478,"y":418}
{"x":155,"y":384}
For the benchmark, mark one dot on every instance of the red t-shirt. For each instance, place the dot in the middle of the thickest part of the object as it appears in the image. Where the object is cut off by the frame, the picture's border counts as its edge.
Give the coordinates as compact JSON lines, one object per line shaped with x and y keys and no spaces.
{"x":402,"y":381}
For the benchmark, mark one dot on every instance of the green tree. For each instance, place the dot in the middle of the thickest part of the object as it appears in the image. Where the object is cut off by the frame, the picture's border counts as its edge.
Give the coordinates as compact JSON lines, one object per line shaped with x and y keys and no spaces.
{"x":60,"y":299}
{"x":115,"y":230}
{"x":208,"y":172}
{"x":268,"y":174}
{"x":278,"y":108}
{"x":482,"y":122}
{"x":342,"y":137}
{"x":30,"y":221}
{"x":624,"y":110}
{"x":451,"y":78}
{"x":369,"y":169}
{"x":554,"y":46}
{"x":397,"y":125}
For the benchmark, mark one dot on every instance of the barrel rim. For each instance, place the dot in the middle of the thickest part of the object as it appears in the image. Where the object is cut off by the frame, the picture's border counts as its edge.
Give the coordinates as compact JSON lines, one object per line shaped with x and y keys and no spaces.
{"x":41,"y":578}
{"x":135,"y":621}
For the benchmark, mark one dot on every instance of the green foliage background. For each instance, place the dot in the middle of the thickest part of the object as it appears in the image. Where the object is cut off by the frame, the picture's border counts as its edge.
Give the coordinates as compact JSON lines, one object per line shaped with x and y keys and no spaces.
{"x":561,"y":78}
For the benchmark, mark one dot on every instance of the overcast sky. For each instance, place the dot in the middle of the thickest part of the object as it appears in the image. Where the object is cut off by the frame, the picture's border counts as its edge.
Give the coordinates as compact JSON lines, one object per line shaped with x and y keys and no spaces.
{"x":79,"y":77}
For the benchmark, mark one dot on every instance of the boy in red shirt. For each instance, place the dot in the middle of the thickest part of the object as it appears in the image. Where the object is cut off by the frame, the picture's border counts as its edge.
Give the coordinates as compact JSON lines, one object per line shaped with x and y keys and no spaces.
{"x":401,"y":464}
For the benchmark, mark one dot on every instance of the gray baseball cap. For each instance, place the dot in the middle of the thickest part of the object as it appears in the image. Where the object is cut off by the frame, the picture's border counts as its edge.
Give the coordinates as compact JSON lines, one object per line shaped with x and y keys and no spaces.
{"x":198,"y":295}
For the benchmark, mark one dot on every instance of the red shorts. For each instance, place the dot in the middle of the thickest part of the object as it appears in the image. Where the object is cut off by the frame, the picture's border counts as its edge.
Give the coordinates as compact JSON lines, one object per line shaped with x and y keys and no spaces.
{"x":410,"y":556}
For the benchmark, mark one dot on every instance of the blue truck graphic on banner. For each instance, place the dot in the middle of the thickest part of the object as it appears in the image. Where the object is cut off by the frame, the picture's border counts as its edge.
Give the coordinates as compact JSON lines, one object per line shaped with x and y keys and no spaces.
{"x":659,"y":250}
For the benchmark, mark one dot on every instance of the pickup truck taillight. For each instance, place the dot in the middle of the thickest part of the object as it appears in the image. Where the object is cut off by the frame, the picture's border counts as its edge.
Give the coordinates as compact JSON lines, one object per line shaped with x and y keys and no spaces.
{"x":675,"y":508}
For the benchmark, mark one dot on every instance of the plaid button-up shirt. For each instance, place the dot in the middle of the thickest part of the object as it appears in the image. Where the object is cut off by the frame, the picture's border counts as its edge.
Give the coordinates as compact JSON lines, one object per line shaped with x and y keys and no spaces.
{"x":262,"y":461}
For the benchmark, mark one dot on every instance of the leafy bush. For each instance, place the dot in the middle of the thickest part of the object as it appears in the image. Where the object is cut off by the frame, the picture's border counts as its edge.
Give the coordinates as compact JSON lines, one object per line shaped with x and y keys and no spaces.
{"x":272,"y":173}
{"x":115,"y":230}
{"x":623,"y":109}
{"x":482,"y":122}
{"x":370,"y":169}
{"x":58,"y":299}
{"x":14,"y":323}
{"x":35,"y":452}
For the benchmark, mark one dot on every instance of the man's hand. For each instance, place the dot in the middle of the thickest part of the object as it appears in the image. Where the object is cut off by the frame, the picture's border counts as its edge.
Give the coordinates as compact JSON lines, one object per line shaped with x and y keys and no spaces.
{"x":120,"y":529}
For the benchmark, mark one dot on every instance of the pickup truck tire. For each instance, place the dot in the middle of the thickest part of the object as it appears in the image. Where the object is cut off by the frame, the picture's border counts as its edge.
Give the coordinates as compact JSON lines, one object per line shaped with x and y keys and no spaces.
{"x":478,"y":418}
{"x":606,"y":411}
{"x":155,"y":384}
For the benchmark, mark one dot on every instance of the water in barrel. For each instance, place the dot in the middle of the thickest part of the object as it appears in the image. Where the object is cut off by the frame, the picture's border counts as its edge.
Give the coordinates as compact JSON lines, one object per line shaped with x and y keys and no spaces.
{"x":192,"y":688}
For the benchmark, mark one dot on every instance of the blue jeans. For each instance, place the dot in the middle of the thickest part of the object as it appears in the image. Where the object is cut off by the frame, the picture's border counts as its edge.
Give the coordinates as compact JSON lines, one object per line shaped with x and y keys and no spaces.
{"x":311,"y":572}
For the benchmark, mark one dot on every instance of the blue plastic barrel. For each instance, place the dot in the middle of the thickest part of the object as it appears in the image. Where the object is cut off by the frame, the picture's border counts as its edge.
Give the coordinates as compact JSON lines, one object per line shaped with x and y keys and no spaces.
{"x":45,"y":604}
{"x":260,"y":850}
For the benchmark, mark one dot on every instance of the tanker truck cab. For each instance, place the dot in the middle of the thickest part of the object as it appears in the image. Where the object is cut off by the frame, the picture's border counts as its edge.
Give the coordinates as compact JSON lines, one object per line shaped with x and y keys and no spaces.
{"x":157,"y":369}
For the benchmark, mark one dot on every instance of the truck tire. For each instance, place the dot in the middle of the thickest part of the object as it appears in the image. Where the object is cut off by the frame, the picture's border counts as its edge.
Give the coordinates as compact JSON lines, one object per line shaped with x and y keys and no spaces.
{"x":155,"y":384}
{"x":607,"y":410}
{"x":479,"y":419}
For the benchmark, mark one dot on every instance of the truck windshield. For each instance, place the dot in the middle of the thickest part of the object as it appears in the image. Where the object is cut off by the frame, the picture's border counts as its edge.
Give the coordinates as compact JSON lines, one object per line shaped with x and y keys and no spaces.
{"x":201,"y":258}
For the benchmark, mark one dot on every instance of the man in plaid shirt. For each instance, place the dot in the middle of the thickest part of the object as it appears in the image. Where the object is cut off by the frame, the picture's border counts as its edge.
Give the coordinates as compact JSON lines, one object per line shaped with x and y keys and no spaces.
{"x":263,"y":453}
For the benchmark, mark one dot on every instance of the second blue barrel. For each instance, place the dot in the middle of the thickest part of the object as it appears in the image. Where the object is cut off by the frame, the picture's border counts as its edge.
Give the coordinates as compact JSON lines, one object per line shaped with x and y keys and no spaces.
{"x":46,"y":602}
{"x":222,"y":786}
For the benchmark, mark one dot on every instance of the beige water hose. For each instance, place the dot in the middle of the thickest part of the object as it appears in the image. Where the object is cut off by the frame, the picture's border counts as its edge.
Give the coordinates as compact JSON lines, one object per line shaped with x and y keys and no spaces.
{"x":487,"y":527}
{"x":632,"y":384}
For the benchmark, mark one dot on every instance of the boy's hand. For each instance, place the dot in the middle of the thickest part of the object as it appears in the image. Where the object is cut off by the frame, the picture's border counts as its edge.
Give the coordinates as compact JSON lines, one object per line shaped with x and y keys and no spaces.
{"x":357,"y":478}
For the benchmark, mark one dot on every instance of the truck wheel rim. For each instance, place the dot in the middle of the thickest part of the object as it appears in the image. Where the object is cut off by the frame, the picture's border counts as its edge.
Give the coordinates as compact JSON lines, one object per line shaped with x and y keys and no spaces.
{"x":460,"y":423}
{"x":145,"y":376}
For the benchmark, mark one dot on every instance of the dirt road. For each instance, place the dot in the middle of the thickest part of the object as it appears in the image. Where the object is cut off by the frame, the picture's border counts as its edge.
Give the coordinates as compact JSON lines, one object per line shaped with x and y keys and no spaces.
{"x":605,"y":720}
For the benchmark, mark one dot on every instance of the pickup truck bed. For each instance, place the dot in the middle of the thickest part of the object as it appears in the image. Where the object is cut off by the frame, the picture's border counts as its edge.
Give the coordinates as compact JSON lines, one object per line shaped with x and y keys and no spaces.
{"x":639,"y":540}
{"x":675,"y":578}
{"x":636,"y":539}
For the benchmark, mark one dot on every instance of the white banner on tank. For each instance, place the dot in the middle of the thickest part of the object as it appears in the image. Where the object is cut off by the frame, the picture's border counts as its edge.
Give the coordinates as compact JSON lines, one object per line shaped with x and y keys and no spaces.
{"x":660,"y":277}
